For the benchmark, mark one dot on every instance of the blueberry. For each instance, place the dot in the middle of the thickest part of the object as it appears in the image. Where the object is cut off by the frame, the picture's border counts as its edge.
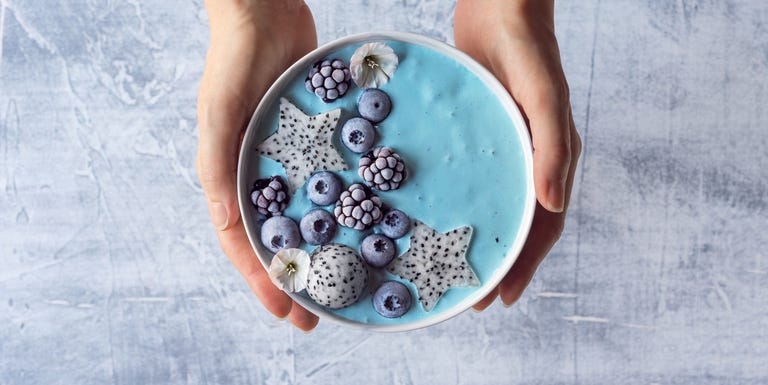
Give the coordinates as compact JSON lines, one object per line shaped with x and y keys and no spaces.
{"x":323,"y":188}
{"x":395,"y":224}
{"x":279,"y":232}
{"x":392,"y":299}
{"x":374,"y":105}
{"x":377,"y":250}
{"x":318,"y":227}
{"x":358,"y":135}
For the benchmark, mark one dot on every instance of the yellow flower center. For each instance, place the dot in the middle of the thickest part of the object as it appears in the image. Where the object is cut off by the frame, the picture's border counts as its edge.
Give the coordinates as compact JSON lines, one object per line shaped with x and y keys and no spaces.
{"x":290,"y":268}
{"x":371,"y":62}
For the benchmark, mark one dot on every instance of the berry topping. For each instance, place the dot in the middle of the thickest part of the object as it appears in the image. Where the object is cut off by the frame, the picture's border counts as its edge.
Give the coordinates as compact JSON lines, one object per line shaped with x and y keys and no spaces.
{"x":270,"y":196}
{"x":374,"y":105}
{"x":358,"y":135}
{"x":395,"y":224}
{"x":392,"y":299}
{"x":323,"y":188}
{"x":358,"y":208}
{"x":328,"y":79}
{"x":382,"y":169}
{"x":318,"y":227}
{"x":279,"y":233}
{"x":377,"y":250}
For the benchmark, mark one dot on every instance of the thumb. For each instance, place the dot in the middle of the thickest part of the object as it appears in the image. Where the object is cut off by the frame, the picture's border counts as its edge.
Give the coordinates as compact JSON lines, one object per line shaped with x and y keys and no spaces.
{"x":221,"y":120}
{"x":539,"y":88}
{"x":551,"y":148}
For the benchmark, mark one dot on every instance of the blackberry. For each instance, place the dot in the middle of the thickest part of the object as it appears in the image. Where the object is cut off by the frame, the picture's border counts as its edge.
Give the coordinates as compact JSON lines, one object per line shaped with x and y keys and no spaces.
{"x":382,"y":169}
{"x":270,"y":196}
{"x":358,"y":208}
{"x":328,"y":79}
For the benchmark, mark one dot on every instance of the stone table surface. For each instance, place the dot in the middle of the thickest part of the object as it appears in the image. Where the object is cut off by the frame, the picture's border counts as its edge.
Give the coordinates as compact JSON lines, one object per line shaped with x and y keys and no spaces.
{"x":110,"y":271}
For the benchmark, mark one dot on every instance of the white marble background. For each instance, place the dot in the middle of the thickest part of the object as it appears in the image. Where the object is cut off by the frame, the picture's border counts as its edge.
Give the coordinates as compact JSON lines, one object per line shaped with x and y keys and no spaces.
{"x":110,"y":271}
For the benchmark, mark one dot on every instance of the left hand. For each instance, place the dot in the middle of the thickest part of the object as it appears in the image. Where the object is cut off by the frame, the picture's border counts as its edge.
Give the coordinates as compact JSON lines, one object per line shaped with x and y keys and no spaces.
{"x":515,"y":40}
{"x":252,"y":42}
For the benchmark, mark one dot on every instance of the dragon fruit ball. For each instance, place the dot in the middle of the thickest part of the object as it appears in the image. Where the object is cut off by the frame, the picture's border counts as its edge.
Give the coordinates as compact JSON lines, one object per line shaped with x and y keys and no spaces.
{"x":337,"y":276}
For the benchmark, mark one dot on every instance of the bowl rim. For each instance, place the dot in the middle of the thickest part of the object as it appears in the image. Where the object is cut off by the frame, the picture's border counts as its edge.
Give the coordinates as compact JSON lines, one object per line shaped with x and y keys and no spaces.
{"x":509,"y":105}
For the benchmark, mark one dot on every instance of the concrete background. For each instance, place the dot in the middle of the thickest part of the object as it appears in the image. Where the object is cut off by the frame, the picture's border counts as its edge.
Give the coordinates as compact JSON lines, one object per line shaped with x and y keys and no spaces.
{"x":110,"y":271}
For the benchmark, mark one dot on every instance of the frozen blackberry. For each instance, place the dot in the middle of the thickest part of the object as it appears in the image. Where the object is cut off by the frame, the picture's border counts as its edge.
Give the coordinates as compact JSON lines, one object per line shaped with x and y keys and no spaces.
{"x":328,"y":79}
{"x":270,"y":195}
{"x":358,"y":208}
{"x":382,"y":169}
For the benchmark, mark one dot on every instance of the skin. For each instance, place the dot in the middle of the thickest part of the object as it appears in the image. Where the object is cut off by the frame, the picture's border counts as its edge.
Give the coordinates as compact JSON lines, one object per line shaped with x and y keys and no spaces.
{"x":241,"y":63}
{"x":512,"y":38}
{"x":516,"y":41}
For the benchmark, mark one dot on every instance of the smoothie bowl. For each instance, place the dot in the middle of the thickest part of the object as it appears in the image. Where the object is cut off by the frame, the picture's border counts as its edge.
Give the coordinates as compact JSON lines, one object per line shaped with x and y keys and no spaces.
{"x":385,"y":181}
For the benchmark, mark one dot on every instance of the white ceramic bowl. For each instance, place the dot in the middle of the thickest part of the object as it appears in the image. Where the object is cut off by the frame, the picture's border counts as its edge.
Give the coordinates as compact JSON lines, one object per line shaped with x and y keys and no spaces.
{"x":246,"y":175}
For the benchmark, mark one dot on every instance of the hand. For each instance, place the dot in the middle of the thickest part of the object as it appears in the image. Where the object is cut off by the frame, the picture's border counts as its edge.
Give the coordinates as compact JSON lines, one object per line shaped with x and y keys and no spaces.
{"x":252,"y":42}
{"x":515,"y":40}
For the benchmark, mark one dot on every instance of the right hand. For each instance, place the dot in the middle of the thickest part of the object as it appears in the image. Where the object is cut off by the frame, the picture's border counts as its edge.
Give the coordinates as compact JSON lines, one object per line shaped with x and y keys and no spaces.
{"x":252,"y":43}
{"x":515,"y":40}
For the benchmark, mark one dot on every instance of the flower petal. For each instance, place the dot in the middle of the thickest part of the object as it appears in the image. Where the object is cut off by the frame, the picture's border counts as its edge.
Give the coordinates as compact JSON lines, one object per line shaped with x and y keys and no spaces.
{"x":373,"y":64}
{"x":379,"y":78}
{"x":289,"y":268}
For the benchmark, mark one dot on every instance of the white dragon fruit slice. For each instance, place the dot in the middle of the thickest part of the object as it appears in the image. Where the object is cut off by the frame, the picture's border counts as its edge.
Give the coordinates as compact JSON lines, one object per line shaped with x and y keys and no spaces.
{"x":337,"y":276}
{"x":435,"y":262}
{"x":303,"y":144}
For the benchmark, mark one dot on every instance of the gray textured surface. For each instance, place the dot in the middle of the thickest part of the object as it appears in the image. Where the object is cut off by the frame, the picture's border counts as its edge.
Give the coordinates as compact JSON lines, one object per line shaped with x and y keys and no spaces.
{"x":110,"y":272}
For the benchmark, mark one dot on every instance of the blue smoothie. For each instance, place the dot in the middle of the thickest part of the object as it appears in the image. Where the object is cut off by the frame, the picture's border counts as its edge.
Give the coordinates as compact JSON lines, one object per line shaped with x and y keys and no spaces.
{"x":465,"y":165}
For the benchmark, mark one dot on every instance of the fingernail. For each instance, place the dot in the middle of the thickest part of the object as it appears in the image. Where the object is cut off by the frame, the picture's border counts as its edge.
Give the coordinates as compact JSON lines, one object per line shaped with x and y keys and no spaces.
{"x":507,"y":305}
{"x":218,"y":215}
{"x":555,"y":197}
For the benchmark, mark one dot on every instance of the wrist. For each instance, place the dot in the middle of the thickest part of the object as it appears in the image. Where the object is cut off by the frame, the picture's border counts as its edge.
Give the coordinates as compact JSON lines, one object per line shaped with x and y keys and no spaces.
{"x":254,"y":5}
{"x":228,"y":15}
{"x":518,"y":11}
{"x":515,"y":6}
{"x":275,"y":25}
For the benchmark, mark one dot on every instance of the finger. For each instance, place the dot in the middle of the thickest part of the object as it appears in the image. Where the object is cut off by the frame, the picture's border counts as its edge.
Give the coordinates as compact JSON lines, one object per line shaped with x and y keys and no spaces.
{"x":220,"y":121}
{"x":487,"y":301}
{"x":545,"y":231}
{"x":533,"y":75}
{"x":550,"y":135}
{"x":302,"y":318}
{"x":543,"y":234}
{"x":235,"y":244}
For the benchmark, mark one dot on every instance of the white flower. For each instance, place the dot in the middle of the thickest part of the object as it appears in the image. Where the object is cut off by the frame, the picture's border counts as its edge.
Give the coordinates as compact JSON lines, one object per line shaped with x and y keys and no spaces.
{"x":289,"y":269}
{"x":372,"y":65}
